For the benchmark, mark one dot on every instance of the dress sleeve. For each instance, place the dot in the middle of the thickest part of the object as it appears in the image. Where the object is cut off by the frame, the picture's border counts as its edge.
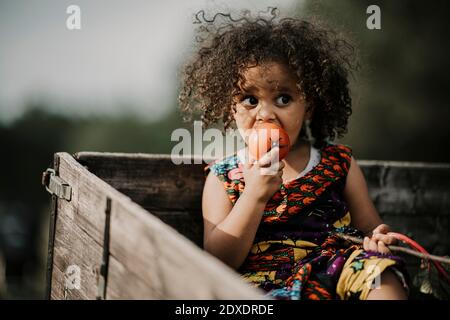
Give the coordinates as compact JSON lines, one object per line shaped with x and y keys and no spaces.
{"x":229,"y":172}
{"x":211,"y":167}
{"x":344,"y":154}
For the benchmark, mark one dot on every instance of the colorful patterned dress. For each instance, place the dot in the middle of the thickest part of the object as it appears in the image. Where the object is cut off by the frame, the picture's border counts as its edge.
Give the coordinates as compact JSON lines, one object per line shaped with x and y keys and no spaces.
{"x":296,"y":254}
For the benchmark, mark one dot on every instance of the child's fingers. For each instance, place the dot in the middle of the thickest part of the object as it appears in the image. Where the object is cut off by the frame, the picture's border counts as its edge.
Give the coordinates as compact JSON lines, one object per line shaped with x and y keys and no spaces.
{"x":382,"y":248}
{"x":270,"y":158}
{"x":267,"y":171}
{"x":366,"y":243}
{"x":249,"y":159}
{"x":373,"y":245}
{"x":275,"y":169}
{"x":382,"y":228}
{"x":271,"y":163}
{"x":370,"y":244}
{"x":385,"y":238}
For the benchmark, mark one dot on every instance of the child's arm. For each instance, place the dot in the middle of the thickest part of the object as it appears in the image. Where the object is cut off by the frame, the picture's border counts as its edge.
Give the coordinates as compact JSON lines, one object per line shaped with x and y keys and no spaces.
{"x":229,"y":231}
{"x":363,"y":212}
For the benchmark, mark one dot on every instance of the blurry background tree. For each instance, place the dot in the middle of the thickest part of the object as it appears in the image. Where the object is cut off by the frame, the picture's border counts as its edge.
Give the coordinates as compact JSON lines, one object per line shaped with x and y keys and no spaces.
{"x":27,"y":146}
{"x":400,"y":113}
{"x":401,"y":109}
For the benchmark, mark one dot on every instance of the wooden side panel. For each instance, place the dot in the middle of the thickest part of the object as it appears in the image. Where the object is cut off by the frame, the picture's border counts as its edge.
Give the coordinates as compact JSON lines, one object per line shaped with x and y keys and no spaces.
{"x":150,"y":260}
{"x":152,"y":181}
{"x":408,"y":188}
{"x":125,"y":284}
{"x":79,"y":228}
{"x":171,"y":192}
{"x":147,"y":258}
{"x":188,"y":223}
{"x":414,"y":199}
{"x":162,"y":264}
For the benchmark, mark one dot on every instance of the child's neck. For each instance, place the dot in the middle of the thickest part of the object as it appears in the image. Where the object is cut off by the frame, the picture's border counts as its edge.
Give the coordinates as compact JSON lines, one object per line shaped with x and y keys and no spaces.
{"x":297,"y":159}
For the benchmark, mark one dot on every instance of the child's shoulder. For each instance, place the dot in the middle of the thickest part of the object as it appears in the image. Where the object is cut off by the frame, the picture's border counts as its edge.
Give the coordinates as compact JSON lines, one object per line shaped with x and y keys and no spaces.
{"x":223,"y":166}
{"x":337,"y":154}
{"x":342,"y":150}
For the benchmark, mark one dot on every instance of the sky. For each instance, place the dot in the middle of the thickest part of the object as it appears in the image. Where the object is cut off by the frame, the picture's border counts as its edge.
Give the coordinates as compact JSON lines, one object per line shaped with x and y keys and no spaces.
{"x":124,"y":59}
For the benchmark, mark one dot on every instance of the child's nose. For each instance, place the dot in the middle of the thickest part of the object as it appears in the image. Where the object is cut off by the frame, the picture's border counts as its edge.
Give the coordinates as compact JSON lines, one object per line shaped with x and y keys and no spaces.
{"x":265,"y":112}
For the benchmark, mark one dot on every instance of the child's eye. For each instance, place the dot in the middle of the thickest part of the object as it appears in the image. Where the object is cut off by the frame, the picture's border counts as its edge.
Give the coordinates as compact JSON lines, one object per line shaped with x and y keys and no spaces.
{"x":250,"y":100}
{"x":283,"y":99}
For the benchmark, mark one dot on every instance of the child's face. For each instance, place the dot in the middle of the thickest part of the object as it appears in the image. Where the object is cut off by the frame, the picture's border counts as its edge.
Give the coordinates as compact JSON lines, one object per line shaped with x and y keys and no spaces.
{"x":270,"y":94}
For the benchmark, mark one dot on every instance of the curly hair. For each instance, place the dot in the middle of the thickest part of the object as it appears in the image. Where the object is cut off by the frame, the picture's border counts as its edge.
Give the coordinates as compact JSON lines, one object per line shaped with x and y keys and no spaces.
{"x":320,"y":58}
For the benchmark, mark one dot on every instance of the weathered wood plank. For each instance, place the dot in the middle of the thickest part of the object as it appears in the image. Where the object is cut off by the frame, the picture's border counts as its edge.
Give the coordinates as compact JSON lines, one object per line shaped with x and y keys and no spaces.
{"x":155,"y":183}
{"x":59,"y":291}
{"x":152,"y":181}
{"x":399,"y":188}
{"x":124,"y":283}
{"x":188,"y":223}
{"x":149,"y":259}
{"x":74,"y":248}
{"x":79,"y":228}
{"x":146,"y":255}
{"x":88,"y":197}
{"x":170,"y":266}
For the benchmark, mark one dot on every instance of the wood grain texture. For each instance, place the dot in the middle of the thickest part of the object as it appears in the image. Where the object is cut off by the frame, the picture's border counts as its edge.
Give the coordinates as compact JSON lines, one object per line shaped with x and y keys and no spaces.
{"x":156,"y":205}
{"x":148,"y":259}
{"x":171,"y":192}
{"x":152,"y":181}
{"x":168,"y":264}
{"x":409,"y":189}
{"x":79,"y":230}
{"x":408,"y":195}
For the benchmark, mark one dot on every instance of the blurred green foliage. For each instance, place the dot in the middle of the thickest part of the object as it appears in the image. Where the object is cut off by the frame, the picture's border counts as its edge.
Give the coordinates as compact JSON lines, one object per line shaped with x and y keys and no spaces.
{"x":400,"y":109}
{"x":27,"y":148}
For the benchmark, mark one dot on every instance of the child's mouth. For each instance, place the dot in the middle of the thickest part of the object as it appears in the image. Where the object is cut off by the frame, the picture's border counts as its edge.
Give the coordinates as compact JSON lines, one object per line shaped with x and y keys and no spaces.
{"x":265,"y":136}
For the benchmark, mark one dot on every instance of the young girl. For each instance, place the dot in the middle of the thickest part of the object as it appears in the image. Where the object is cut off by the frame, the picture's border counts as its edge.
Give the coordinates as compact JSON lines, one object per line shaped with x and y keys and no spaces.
{"x":279,"y":231}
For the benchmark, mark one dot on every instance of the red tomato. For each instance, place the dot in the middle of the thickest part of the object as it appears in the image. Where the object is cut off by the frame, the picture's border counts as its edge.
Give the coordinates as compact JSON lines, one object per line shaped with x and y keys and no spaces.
{"x":264,"y":137}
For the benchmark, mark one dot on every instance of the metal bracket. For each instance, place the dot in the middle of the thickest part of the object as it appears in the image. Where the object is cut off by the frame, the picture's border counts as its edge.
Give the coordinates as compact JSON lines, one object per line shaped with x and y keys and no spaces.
{"x":55,"y":185}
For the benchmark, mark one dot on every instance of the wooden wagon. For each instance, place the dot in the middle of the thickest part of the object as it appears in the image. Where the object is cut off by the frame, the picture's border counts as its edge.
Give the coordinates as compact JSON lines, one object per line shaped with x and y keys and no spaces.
{"x":129,"y":226}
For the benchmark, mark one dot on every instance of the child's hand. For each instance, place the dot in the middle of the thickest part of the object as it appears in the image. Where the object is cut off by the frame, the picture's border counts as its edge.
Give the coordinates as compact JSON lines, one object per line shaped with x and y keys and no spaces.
{"x":263,"y":177}
{"x":379,"y":240}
